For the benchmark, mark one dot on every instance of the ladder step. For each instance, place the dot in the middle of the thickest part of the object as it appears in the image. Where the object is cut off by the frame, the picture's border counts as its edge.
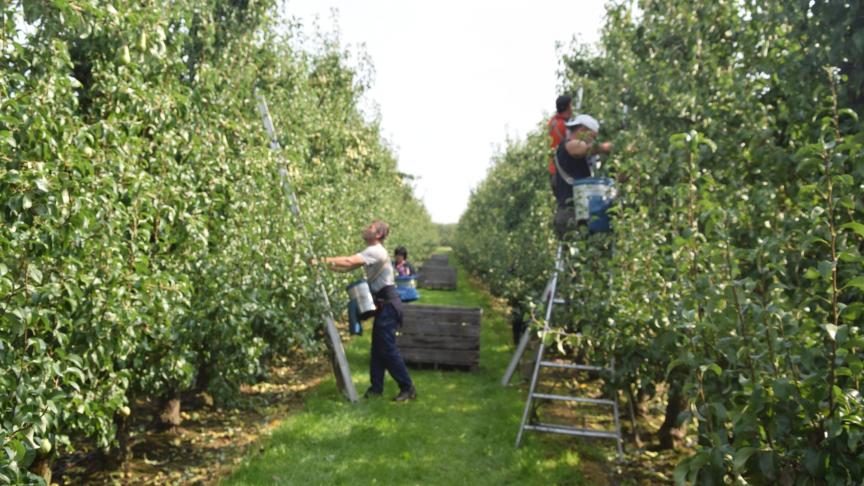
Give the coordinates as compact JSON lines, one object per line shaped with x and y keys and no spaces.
{"x":595,"y":401}
{"x":561,"y":429}
{"x":571,"y":366}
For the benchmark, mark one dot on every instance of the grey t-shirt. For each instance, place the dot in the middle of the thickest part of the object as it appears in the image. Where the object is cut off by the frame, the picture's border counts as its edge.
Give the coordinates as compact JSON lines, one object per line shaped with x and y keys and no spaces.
{"x":376,"y":264}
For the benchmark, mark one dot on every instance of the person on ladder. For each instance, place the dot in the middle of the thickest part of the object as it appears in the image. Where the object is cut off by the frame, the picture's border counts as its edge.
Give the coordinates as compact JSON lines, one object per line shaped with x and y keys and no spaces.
{"x":571,"y":164}
{"x":388,"y":315}
{"x":558,"y":130}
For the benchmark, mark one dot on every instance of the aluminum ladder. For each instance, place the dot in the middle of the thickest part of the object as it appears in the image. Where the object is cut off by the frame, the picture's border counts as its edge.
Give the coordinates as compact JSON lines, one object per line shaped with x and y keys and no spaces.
{"x":550,"y":301}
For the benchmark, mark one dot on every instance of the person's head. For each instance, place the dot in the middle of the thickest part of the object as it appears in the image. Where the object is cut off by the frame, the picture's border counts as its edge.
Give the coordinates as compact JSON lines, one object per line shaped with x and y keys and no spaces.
{"x":582,"y":127}
{"x":564,"y":106}
{"x":401,"y":254}
{"x":376,"y":232}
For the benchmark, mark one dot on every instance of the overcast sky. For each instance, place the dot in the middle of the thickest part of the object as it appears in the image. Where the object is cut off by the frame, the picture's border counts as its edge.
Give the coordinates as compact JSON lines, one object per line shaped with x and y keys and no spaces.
{"x":454,"y":79}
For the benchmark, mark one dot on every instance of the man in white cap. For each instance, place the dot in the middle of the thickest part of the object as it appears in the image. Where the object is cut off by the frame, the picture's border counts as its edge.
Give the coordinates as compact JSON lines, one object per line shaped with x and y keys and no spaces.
{"x":571,"y":163}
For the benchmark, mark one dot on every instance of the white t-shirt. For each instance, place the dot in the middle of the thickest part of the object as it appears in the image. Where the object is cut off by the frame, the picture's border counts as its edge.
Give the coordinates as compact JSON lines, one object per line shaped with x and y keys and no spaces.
{"x":376,"y":264}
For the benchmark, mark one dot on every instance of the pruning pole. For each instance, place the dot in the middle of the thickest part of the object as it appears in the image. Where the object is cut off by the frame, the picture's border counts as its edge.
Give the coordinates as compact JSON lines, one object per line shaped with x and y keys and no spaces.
{"x":338,"y":359}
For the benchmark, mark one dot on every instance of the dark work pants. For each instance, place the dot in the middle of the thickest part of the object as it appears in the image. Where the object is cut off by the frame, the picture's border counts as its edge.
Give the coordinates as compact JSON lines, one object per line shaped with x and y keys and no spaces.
{"x":385,"y":353}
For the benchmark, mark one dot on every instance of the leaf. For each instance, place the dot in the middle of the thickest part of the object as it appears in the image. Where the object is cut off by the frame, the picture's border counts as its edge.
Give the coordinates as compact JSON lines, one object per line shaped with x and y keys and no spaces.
{"x":831,"y":329}
{"x":713,"y":367}
{"x":42,"y":185}
{"x":680,"y":474}
{"x":741,"y":457}
{"x":826,"y":268}
{"x":857,"y":282}
{"x":6,"y":136}
{"x":814,"y":461}
{"x":34,"y":273}
{"x":848,"y":111}
{"x":766,"y":464}
{"x":811,"y":274}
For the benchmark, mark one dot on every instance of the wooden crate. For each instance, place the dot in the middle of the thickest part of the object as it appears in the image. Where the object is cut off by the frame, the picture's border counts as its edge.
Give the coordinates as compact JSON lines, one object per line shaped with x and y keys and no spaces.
{"x":440,"y":335}
{"x":442,"y":278}
{"x":438,"y":259}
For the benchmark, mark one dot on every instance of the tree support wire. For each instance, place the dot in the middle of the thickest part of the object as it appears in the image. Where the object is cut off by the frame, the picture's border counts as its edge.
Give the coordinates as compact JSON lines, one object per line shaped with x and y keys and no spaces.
{"x":334,"y":343}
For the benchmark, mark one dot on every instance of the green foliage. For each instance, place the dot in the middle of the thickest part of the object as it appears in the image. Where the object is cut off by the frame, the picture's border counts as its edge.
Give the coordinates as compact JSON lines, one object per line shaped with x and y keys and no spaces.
{"x":446,"y":234}
{"x":502,"y":236}
{"x":737,"y":269}
{"x":145,"y":245}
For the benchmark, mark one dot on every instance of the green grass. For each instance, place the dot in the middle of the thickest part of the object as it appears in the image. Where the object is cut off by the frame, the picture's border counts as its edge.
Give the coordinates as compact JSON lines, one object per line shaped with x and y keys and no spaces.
{"x":461,"y":430}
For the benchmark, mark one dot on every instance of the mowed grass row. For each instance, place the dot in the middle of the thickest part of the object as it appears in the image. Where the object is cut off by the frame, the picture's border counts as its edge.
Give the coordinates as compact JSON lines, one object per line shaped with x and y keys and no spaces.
{"x":460,"y":430}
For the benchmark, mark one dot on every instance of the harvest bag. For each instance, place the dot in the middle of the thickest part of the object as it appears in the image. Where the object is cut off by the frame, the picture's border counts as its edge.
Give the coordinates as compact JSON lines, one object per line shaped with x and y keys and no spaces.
{"x":406,"y":286}
{"x":591,"y":198}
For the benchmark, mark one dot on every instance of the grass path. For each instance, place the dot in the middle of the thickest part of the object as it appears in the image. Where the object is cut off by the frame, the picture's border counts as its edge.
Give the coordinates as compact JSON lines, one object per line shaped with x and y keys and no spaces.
{"x":461,"y":429}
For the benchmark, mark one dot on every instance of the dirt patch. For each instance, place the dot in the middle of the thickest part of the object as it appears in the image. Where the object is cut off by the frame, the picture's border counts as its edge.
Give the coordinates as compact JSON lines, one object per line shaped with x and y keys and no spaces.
{"x":211,"y":441}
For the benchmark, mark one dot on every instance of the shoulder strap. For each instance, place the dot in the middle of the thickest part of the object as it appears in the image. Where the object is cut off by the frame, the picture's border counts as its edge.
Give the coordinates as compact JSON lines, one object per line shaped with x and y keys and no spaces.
{"x":564,"y":175}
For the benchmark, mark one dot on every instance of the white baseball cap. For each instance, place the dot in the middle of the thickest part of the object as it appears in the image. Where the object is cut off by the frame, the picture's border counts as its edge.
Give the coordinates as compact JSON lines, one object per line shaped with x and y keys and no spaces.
{"x":586,"y":121}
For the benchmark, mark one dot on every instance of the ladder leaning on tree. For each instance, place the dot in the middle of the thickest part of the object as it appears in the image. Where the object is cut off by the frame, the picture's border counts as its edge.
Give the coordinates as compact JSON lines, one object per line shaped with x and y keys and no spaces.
{"x":338,"y":359}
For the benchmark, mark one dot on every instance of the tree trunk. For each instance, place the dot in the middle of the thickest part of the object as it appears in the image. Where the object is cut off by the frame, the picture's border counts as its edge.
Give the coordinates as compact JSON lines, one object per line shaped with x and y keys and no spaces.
{"x":42,"y":467}
{"x":169,"y":415}
{"x":115,"y":457}
{"x":672,"y":433}
{"x":641,"y":403}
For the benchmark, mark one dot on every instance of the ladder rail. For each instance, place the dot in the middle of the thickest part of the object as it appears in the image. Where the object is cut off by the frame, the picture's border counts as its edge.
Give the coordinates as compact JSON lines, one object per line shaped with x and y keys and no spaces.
{"x":549,"y":305}
{"x":548,"y":299}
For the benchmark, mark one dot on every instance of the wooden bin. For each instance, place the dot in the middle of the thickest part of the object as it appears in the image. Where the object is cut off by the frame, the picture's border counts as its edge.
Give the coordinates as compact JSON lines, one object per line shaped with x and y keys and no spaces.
{"x":438,"y":259}
{"x":440,"y":335}
{"x":436,"y":277}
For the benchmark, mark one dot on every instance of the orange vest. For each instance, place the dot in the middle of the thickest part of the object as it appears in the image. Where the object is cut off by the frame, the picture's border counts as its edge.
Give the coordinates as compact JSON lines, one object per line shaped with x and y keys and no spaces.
{"x":557,"y":131}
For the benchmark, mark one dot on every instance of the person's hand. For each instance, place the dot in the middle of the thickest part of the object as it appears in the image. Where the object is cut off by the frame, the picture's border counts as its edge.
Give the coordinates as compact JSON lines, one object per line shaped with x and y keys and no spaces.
{"x":312,"y":262}
{"x":604,"y":148}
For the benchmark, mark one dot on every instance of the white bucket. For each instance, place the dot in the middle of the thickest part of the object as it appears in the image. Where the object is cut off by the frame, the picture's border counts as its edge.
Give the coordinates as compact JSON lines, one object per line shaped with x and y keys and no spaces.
{"x":360,"y":293}
{"x":586,"y":189}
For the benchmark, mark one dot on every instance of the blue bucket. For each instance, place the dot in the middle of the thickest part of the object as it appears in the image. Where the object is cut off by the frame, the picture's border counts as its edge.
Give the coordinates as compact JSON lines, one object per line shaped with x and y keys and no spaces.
{"x":406,"y":287}
{"x":592,"y":197}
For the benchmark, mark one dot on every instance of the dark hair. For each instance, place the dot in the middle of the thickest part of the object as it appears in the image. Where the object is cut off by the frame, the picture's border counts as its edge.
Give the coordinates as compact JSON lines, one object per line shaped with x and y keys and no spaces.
{"x":562,"y":103}
{"x":400,"y":250}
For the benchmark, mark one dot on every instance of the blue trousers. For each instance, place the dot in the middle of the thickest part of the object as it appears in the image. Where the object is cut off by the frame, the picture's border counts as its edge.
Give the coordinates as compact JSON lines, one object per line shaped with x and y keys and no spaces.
{"x":385,"y":353}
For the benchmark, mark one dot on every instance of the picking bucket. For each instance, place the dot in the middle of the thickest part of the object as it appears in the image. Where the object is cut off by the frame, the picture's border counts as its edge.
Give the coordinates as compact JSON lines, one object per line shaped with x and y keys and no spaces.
{"x":406,"y":286}
{"x":592,"y":196}
{"x":361,"y":296}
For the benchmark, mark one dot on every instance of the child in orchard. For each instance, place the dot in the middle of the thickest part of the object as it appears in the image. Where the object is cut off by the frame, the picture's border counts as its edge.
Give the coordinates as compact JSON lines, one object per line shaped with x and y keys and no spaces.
{"x":388,"y":315}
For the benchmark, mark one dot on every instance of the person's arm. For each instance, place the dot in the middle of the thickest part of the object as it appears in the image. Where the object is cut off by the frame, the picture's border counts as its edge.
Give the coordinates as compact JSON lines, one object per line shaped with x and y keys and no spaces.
{"x":342,"y":263}
{"x":411,"y":270}
{"x":577,"y":148}
{"x":581,"y":148}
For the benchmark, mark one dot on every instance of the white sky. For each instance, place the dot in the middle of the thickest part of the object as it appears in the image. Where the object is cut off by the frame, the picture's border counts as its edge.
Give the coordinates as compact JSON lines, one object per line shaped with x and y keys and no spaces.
{"x":453,"y":80}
